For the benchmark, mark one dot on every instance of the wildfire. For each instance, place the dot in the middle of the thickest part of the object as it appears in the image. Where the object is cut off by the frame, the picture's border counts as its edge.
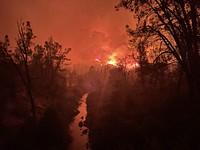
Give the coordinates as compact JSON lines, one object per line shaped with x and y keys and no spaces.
{"x":131,"y":66}
{"x":113,"y":60}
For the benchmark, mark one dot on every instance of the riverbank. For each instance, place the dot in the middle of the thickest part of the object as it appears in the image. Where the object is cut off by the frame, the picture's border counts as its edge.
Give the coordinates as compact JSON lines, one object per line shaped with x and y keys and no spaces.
{"x":79,"y":141}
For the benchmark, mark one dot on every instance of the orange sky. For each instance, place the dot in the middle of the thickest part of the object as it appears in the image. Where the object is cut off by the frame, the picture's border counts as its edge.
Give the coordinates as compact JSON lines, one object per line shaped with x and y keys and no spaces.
{"x":89,"y":27}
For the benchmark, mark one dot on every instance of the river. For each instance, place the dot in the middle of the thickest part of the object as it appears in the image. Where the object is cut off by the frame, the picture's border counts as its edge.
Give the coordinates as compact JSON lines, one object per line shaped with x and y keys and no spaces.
{"x":79,"y":141}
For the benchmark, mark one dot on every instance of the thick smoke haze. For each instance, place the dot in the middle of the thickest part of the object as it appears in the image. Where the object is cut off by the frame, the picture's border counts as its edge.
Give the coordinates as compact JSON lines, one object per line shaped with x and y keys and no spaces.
{"x":89,"y":27}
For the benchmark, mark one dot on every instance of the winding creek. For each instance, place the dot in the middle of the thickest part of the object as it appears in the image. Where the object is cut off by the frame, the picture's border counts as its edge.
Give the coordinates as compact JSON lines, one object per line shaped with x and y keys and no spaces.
{"x":79,"y":141}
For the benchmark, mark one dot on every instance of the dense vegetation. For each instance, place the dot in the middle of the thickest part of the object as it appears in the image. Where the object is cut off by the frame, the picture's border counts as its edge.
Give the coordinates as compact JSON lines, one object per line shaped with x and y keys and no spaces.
{"x":157,"y":108}
{"x":127,"y":115}
{"x":37,"y":103}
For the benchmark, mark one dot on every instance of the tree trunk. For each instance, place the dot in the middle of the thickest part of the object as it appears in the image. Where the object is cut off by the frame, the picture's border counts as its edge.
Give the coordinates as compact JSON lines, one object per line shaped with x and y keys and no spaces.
{"x":33,"y":109}
{"x":179,"y":81}
{"x":193,"y":87}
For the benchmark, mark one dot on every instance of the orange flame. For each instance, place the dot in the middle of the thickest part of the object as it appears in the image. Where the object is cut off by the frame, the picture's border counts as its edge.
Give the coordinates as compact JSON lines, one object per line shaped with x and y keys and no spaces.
{"x":112,"y":60}
{"x":131,"y":66}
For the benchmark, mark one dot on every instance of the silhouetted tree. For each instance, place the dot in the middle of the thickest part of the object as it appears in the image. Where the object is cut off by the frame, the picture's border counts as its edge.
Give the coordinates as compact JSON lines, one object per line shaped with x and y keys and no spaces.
{"x":173,"y":26}
{"x":48,"y":61}
{"x":21,"y":58}
{"x":23,"y":55}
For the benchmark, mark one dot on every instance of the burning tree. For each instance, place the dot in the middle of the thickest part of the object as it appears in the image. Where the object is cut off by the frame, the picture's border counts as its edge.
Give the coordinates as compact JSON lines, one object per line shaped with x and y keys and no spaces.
{"x":173,"y":28}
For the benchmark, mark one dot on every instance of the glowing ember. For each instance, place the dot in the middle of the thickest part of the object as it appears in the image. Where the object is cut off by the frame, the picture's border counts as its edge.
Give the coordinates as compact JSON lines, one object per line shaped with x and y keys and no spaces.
{"x":131,"y":66}
{"x":97,"y":59}
{"x":137,"y":65}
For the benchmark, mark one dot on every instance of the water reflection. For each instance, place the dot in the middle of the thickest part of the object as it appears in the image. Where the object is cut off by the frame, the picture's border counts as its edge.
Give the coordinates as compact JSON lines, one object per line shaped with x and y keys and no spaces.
{"x":79,"y":141}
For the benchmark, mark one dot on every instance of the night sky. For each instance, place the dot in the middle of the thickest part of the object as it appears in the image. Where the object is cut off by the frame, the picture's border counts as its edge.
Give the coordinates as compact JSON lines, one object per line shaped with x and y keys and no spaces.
{"x":89,"y":27}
